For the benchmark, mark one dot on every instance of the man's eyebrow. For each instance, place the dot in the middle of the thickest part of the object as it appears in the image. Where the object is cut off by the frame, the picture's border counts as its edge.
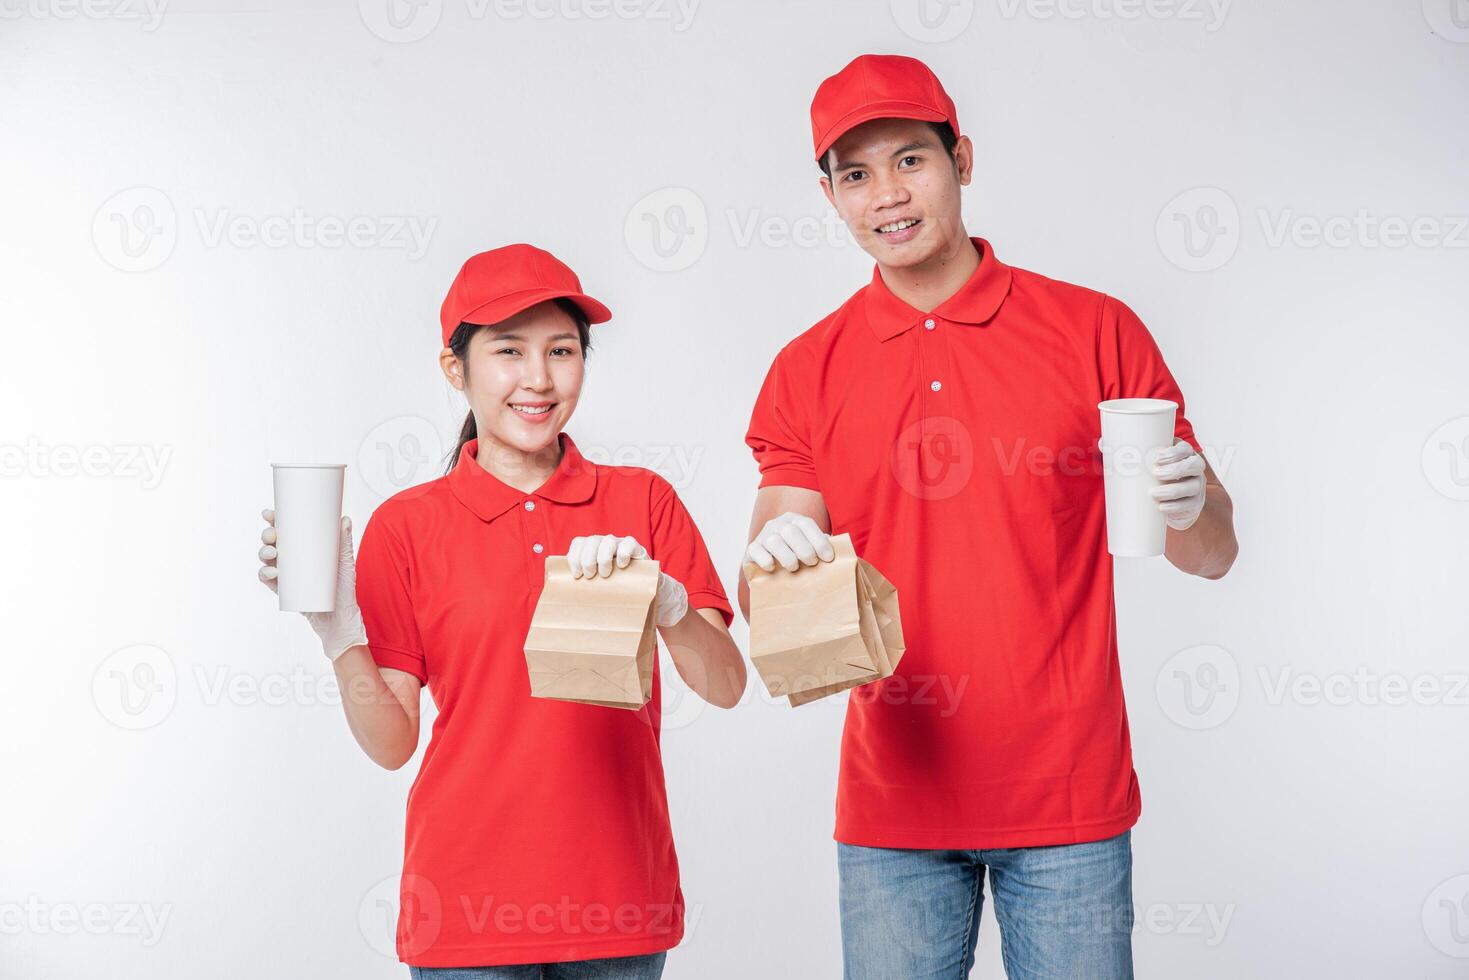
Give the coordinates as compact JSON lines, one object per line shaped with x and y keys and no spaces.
{"x":908,"y":147}
{"x":515,"y":336}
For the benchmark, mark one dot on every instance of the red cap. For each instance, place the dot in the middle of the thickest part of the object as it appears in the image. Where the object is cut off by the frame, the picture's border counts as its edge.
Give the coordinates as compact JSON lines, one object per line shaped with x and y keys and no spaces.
{"x":495,"y":285}
{"x":877,"y":86}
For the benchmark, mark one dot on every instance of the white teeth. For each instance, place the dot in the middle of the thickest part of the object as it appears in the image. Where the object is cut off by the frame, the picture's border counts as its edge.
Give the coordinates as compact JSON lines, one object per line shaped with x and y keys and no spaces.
{"x":527,"y":410}
{"x":899,"y":225}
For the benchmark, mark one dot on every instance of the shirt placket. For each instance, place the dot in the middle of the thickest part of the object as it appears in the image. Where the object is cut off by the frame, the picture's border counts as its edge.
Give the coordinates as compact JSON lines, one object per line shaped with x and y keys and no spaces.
{"x":536,"y":534}
{"x":936,"y":374}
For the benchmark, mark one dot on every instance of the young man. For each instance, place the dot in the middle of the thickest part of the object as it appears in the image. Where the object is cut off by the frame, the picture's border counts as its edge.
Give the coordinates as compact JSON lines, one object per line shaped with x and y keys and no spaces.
{"x":946,"y":417}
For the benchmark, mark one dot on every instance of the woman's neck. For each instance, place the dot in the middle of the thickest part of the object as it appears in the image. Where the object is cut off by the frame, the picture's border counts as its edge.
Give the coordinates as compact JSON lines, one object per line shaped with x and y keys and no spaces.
{"x":525,"y":471}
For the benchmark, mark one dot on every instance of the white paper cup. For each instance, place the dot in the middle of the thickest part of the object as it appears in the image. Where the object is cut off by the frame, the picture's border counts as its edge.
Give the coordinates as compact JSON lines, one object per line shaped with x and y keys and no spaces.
{"x":308,"y":530}
{"x":1131,"y":428}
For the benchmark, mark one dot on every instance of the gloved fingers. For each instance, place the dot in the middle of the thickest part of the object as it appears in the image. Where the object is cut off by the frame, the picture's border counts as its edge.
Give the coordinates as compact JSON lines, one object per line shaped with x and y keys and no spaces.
{"x":267,"y":574}
{"x":1177,"y":490}
{"x":269,"y":515}
{"x":1176,"y":461}
{"x":800,"y":544}
{"x":628,"y":549}
{"x":820,"y":540}
{"x":268,"y":535}
{"x":345,"y":554}
{"x":756,"y":553}
{"x":268,"y":554}
{"x":573,"y":556}
{"x":775,"y":543}
{"x":606,"y":552}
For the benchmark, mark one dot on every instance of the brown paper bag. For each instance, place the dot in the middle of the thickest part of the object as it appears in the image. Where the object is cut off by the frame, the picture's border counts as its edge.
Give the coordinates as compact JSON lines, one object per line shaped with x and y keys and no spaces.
{"x":823,"y":628}
{"x":592,"y":640}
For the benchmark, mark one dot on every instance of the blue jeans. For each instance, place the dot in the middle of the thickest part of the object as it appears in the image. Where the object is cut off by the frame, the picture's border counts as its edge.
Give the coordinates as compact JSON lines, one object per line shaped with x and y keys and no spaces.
{"x":648,"y":967}
{"x":1064,"y":911}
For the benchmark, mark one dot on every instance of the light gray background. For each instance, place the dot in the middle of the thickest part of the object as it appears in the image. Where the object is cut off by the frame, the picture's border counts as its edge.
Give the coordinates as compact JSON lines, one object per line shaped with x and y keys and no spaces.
{"x":172,"y":751}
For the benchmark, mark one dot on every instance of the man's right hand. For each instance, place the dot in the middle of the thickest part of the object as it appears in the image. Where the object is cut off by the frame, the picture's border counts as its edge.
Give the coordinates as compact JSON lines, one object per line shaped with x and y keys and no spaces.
{"x":792,"y":540}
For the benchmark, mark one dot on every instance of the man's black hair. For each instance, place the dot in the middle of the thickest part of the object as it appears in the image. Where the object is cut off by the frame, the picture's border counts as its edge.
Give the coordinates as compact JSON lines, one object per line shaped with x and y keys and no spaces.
{"x":946,"y":138}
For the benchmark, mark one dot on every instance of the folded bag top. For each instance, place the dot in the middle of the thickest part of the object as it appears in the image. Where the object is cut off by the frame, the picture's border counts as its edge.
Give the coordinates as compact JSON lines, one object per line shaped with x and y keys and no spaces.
{"x":823,"y":628}
{"x":592,"y":640}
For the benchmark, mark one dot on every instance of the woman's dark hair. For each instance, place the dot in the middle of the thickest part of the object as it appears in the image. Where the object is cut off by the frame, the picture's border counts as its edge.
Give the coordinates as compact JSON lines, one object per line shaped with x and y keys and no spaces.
{"x":946,"y":136}
{"x":459,"y":344}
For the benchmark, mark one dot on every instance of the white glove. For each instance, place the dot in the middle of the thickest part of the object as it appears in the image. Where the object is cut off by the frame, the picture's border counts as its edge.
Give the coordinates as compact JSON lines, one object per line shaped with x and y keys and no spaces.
{"x":1181,"y":496}
{"x":595,"y":555}
{"x":791,"y":539}
{"x":341,"y":628}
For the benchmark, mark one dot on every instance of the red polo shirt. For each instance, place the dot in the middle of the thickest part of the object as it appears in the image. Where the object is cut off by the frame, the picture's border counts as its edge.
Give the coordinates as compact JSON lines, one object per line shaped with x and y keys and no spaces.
{"x":958,"y":448}
{"x":537,"y":830}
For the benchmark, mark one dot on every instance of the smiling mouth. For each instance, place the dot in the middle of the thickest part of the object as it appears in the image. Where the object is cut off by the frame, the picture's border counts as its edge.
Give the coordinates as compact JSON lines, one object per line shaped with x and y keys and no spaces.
{"x":532,"y":410}
{"x":893,"y":227}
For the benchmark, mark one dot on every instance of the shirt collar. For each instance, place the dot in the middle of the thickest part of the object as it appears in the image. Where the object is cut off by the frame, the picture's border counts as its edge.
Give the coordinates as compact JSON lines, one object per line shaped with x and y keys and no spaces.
{"x":976,"y":302}
{"x":573,"y":482}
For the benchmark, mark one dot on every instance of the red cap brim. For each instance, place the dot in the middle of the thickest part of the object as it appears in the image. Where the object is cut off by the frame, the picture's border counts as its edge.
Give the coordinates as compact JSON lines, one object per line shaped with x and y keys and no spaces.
{"x":504,"y":307}
{"x":879,"y":110}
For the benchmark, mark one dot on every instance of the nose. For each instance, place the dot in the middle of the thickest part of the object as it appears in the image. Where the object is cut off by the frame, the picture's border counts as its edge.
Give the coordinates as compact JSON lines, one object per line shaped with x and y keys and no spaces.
{"x":536,"y":376}
{"x":889,"y":191}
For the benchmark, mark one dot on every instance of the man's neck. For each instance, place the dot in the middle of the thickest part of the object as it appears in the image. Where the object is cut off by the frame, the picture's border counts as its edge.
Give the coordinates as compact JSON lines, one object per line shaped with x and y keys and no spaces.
{"x":526,"y":472}
{"x":927,"y":285}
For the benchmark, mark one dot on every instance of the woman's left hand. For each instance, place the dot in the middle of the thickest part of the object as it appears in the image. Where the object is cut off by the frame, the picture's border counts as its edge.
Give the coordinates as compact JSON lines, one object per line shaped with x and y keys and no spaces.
{"x":596,"y":555}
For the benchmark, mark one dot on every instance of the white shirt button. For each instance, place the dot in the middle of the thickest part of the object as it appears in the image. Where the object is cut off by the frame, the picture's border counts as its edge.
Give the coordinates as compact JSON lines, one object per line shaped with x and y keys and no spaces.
{"x":935,"y":385}
{"x":530,"y":505}
{"x":928,"y":324}
{"x":537,"y":548}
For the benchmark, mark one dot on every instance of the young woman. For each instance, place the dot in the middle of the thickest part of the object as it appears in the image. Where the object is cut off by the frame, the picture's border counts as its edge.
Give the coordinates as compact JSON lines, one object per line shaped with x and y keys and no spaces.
{"x":537,"y":838}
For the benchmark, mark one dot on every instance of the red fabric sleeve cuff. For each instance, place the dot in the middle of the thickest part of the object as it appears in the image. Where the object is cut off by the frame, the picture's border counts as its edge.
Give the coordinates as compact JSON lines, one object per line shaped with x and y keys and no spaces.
{"x":707,"y":599}
{"x":398,"y":660}
{"x":789,"y":476}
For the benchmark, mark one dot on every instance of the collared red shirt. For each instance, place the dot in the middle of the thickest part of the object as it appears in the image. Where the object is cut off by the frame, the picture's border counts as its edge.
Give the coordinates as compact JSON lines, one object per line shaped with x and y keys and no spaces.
{"x":958,"y":448}
{"x":537,"y":830}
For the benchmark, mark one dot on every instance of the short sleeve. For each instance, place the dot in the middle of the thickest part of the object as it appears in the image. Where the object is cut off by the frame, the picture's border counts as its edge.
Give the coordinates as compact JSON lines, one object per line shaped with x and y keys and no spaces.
{"x":679,"y":549}
{"x":779,"y":429}
{"x":1131,"y":365}
{"x":386,"y":604}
